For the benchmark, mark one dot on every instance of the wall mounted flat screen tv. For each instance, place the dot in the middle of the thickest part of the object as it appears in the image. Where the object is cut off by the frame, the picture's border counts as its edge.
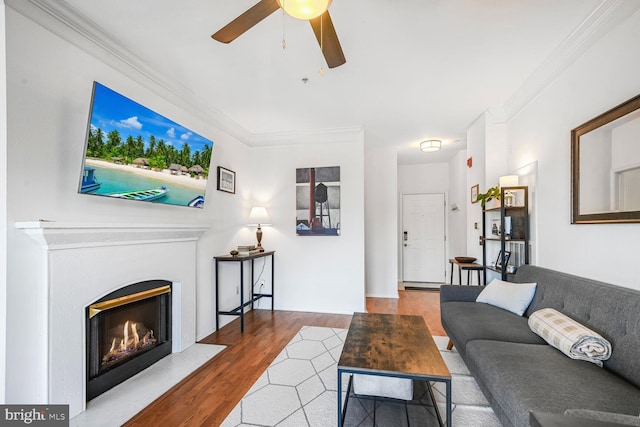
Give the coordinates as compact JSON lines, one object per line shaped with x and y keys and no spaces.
{"x":134,"y":153}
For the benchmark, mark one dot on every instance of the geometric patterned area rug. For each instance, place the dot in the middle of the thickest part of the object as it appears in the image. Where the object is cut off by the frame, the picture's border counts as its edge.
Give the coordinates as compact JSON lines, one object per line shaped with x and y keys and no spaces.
{"x":300,"y":389}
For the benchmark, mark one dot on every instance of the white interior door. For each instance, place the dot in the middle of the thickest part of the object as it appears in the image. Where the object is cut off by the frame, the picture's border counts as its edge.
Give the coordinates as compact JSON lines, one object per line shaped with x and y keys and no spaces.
{"x":423,"y":244}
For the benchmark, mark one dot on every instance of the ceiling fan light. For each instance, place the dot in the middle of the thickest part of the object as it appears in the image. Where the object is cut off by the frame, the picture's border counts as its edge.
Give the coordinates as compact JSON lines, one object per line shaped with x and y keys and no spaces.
{"x":431,"y":145}
{"x":304,"y":9}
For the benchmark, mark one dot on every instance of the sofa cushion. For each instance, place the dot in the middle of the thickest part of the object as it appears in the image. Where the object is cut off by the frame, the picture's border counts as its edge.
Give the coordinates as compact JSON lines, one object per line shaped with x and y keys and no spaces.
{"x":513,"y":297}
{"x":523,"y":377}
{"x":608,"y":417}
{"x":466,"y":321}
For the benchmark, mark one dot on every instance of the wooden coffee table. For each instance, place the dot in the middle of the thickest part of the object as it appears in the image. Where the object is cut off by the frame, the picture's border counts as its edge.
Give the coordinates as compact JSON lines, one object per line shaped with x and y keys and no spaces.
{"x":392,"y":345}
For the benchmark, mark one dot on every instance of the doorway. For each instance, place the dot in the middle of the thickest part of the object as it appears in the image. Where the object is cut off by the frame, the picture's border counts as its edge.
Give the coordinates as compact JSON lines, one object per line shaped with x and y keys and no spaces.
{"x":423,"y":238}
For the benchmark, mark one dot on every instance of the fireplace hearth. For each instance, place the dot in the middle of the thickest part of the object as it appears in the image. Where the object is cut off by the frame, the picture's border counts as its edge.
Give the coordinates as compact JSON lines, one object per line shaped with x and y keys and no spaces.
{"x":127,"y":331}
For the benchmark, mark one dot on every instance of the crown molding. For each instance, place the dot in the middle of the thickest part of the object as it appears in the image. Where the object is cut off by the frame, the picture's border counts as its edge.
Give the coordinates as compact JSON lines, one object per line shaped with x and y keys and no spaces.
{"x":607,"y":15}
{"x":325,"y":136}
{"x":88,"y":36}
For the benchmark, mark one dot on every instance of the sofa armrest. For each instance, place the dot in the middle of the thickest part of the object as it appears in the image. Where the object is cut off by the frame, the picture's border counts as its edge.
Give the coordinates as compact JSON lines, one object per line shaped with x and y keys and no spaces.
{"x":459,"y":293}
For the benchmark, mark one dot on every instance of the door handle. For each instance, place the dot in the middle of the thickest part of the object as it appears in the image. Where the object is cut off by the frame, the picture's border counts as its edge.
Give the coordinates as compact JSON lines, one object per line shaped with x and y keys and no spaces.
{"x":405,"y":237}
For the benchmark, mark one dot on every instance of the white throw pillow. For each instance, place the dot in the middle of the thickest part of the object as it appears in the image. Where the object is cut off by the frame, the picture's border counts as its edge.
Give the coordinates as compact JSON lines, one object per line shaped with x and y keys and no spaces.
{"x":511,"y":296}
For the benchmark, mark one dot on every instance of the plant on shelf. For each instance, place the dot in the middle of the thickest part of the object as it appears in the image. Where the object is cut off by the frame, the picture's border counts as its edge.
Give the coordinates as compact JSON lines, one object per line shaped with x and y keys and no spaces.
{"x":492,"y":193}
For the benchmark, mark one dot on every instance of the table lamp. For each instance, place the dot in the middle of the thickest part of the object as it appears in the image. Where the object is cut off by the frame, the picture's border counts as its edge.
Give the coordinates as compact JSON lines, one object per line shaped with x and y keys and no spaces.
{"x":259,"y":216}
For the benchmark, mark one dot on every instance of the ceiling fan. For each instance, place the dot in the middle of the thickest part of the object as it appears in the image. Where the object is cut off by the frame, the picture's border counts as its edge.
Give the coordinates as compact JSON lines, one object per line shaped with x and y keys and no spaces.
{"x":319,"y":19}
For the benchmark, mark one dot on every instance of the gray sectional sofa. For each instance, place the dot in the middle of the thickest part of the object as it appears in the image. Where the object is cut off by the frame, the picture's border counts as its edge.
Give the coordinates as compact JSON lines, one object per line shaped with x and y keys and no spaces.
{"x":520,"y":373}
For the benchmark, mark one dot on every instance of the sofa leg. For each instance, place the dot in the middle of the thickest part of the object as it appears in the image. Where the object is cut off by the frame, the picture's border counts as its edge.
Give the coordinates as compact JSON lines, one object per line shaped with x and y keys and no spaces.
{"x":449,"y":345}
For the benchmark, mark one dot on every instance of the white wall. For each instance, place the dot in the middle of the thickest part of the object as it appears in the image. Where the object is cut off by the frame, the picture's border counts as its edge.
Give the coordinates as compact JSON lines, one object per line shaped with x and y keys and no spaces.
{"x":605,"y":76}
{"x":313,"y":273}
{"x":381,"y":217}
{"x":3,"y":204}
{"x":496,"y":147}
{"x":459,"y":196}
{"x":476,"y":142}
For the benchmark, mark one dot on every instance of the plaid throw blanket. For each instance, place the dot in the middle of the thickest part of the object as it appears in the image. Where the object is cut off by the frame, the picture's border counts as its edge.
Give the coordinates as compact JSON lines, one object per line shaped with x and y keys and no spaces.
{"x":570,"y":337}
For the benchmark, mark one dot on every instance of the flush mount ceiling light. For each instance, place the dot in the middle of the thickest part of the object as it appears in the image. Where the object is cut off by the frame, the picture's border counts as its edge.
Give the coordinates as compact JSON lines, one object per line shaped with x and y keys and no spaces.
{"x":431,"y":145}
{"x":305,"y":9}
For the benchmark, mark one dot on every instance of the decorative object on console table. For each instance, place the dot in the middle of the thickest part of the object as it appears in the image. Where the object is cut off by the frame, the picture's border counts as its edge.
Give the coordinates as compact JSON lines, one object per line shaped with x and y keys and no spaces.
{"x":244,"y":250}
{"x":259,"y":216}
{"x":226,"y":180}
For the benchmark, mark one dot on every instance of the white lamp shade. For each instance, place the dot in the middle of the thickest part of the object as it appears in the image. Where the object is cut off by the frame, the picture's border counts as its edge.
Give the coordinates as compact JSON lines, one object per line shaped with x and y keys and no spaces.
{"x":508,"y":181}
{"x":259,"y":216}
{"x":304,"y":9}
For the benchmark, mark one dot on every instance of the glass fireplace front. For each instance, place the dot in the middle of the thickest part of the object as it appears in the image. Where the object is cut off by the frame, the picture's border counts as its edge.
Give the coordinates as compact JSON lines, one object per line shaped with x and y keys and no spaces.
{"x":127,"y":331}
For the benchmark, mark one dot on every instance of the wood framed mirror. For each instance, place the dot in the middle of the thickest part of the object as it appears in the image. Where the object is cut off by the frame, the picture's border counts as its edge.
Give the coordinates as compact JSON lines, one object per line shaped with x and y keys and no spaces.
{"x":605,"y":167}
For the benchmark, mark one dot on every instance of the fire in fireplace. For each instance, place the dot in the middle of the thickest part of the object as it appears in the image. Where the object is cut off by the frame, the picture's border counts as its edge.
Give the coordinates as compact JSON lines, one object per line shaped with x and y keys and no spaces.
{"x":127,"y":331}
{"x":129,"y":343}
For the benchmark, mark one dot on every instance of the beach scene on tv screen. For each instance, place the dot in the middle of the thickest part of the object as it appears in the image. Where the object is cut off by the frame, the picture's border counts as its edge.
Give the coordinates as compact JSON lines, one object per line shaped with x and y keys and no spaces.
{"x":134,"y":153}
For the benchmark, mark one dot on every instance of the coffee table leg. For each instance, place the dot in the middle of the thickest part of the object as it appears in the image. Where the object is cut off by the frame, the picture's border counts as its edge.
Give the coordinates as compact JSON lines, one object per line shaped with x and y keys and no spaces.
{"x":449,"y":415}
{"x":435,"y":403}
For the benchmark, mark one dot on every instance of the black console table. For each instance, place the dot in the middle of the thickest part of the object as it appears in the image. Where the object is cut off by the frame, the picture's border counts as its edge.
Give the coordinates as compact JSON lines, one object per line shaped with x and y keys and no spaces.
{"x":239,"y":310}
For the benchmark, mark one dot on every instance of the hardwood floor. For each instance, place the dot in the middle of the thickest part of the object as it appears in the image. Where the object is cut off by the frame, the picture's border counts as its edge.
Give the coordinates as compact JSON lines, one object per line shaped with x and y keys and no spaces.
{"x":206,"y":397}
{"x":417,"y":303}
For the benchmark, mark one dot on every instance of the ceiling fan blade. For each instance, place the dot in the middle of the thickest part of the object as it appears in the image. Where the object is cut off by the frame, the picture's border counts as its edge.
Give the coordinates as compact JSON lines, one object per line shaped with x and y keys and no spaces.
{"x":248,"y":19}
{"x":328,"y":40}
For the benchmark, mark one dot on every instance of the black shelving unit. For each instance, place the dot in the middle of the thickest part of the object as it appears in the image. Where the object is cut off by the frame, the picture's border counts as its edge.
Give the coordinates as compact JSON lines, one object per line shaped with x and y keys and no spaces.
{"x":517,"y":232}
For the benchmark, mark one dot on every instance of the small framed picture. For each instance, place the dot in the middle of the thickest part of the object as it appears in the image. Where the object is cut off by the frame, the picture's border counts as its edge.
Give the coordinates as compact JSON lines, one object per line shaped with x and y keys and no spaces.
{"x":495,"y":227}
{"x":474,"y":193}
{"x":500,"y":258}
{"x":226,"y":180}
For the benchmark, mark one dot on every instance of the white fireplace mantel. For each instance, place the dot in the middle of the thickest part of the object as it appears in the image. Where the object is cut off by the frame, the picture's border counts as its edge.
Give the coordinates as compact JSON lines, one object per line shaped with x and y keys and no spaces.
{"x":69,"y":235}
{"x":78,"y":263}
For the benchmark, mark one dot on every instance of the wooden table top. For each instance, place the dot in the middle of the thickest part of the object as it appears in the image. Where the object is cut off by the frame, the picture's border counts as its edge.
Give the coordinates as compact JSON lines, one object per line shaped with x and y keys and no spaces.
{"x":394,"y":344}
{"x":239,"y":258}
{"x":467,"y":265}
